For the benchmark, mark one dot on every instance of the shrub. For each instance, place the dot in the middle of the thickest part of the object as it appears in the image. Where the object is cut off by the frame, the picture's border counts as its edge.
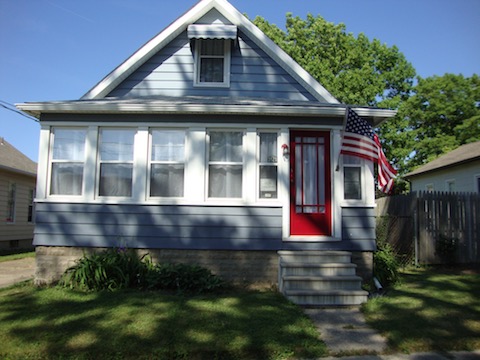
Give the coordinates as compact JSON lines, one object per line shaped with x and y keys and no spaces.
{"x":112,"y":269}
{"x":116,"y":269}
{"x":385,"y":265}
{"x":184,"y":278}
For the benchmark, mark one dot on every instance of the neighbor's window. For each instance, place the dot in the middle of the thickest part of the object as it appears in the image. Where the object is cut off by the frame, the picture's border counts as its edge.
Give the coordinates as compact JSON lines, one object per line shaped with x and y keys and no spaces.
{"x":225,"y":168}
{"x":31,"y":199}
{"x":268,"y":166}
{"x":352,"y":177}
{"x":116,"y":162}
{"x":68,"y":157}
{"x":212,"y":63}
{"x":450,"y":185}
{"x":11,"y":202}
{"x":167,"y":163}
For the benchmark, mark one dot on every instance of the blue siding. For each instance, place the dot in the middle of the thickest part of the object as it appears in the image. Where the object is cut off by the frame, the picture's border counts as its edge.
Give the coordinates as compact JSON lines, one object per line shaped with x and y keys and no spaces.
{"x":253,"y":74}
{"x":150,"y":226}
{"x":187,"y":227}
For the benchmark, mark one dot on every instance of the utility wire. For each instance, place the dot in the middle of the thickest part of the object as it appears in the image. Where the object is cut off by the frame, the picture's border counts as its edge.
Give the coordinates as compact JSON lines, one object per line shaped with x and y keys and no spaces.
{"x":11,"y":107}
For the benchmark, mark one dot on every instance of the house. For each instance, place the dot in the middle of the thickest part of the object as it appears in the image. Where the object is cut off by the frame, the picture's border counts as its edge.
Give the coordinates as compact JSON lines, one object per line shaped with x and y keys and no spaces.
{"x":455,"y":171}
{"x":17,"y":188}
{"x":209,"y":145}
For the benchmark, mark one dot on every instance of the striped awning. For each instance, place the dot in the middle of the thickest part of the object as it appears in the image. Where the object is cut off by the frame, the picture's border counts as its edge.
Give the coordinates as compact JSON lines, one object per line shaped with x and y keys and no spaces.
{"x":214,"y":31}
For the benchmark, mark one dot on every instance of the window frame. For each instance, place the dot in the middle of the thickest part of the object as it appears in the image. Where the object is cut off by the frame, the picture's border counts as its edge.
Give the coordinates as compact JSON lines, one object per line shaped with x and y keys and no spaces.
{"x":360,"y":164}
{"x":227,"y":54}
{"x":99,"y":163}
{"x":11,"y":203}
{"x":259,"y":165}
{"x":450,"y":185}
{"x":225,"y":163}
{"x":151,"y":162}
{"x":52,"y":161}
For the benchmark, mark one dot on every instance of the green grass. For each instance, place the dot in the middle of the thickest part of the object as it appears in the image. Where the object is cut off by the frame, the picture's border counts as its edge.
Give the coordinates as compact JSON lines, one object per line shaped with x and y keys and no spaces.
{"x":430,"y":310}
{"x":8,"y":256}
{"x":54,"y":323}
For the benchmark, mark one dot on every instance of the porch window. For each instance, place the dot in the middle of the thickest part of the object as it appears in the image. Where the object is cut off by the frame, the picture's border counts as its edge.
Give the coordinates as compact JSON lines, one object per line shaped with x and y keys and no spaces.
{"x":225,"y":168}
{"x":212,"y":62}
{"x":352,"y":177}
{"x":167,"y":163}
{"x":116,"y":162}
{"x":268,"y":165}
{"x":68,"y":157}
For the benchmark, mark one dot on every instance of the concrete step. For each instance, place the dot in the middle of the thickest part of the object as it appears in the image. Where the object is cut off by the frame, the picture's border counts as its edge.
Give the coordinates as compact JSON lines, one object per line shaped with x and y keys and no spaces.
{"x":322,"y":283}
{"x":327,"y":297}
{"x":315,"y":257}
{"x":326,"y":269}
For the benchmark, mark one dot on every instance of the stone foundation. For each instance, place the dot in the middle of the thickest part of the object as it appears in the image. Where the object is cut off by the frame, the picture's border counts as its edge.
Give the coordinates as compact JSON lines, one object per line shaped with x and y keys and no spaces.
{"x":249,"y":267}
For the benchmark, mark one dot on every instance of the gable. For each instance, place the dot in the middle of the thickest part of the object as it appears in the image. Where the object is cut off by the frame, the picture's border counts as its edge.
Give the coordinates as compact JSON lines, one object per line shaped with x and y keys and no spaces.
{"x":170,"y":72}
{"x":124,"y":81}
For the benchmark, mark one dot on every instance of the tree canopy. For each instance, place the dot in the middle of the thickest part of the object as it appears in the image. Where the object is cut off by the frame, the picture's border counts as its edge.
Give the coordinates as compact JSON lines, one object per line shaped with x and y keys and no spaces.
{"x":435,"y":114}
{"x":355,"y":70}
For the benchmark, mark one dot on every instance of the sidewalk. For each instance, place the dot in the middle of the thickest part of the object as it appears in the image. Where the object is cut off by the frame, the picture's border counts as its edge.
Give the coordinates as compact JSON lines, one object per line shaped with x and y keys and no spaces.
{"x":12,"y":272}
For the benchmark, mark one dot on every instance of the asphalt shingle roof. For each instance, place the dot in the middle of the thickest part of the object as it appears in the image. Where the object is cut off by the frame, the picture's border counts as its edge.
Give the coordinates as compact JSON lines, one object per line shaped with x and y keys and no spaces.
{"x":14,"y":160}
{"x":462,"y":154}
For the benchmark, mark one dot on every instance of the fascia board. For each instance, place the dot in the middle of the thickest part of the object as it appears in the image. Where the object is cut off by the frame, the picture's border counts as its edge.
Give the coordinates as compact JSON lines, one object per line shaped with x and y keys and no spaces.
{"x":148,"y":50}
{"x":107,"y":107}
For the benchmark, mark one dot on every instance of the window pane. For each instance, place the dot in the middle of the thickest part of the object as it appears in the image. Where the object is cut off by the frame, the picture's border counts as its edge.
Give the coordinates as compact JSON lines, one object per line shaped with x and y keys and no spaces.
{"x":116,"y":144}
{"x":168,"y":145}
{"x":352,"y":183}
{"x":116,"y":179}
{"x":226,"y":146}
{"x":268,"y":148}
{"x":268,"y":182}
{"x":211,"y":70}
{"x":67,"y":179}
{"x":310,"y":175}
{"x":69,"y":144}
{"x":212,"y":47}
{"x":225,"y":181}
{"x":166,"y":180}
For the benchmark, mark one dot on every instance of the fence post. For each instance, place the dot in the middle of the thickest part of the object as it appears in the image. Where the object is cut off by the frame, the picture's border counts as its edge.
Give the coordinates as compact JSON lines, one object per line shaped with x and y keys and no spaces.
{"x":415,"y":231}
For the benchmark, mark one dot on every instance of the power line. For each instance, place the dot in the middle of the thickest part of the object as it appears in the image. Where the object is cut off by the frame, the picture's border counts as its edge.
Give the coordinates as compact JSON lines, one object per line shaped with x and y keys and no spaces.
{"x":12,"y":108}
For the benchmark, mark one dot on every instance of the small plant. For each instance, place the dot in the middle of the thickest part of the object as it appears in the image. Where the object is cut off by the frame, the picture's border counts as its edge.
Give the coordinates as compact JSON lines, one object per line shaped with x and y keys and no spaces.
{"x":113,"y":269}
{"x":386,"y":265}
{"x":120,"y":268}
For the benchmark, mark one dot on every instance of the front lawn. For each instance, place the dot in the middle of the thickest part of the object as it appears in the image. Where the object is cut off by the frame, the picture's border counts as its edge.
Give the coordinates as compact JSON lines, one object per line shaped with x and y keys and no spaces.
{"x":51,"y":323}
{"x":433,"y":309}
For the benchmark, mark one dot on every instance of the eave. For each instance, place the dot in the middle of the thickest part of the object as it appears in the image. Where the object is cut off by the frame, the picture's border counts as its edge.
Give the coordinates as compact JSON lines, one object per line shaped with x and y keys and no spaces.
{"x":216,"y":106}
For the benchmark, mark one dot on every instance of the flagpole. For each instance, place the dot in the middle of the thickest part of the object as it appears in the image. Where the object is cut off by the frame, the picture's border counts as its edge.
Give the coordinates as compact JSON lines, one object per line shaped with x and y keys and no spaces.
{"x":341,"y":138}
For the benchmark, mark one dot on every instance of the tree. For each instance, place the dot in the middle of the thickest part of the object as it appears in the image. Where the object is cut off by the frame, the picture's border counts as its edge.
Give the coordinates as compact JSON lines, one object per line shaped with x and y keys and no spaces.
{"x":442,"y":114}
{"x":355,"y":70}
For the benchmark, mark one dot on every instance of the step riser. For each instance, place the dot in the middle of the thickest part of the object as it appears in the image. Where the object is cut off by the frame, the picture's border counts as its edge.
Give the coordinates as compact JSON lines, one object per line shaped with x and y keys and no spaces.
{"x":321,"y":285}
{"x":310,"y":271}
{"x":327,"y":300}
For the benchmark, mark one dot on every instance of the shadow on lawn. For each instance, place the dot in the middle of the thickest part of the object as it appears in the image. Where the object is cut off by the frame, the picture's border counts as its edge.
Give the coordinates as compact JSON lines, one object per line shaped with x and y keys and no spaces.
{"x":430,"y":311}
{"x":54,"y":323}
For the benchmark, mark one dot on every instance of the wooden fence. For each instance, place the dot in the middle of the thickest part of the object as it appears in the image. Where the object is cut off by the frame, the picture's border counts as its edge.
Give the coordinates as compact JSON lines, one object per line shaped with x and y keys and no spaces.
{"x":433,"y":227}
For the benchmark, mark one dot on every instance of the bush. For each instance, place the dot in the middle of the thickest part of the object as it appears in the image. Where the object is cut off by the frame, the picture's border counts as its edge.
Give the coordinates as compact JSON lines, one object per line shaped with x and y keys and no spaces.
{"x":116,"y":269}
{"x":385,"y":265}
{"x":112,"y":269}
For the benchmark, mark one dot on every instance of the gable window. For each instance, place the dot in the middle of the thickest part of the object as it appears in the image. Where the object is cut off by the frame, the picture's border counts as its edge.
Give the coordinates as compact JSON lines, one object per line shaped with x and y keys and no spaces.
{"x":225,"y":167}
{"x":212,"y":62}
{"x":11,"y":202}
{"x":68,"y":157}
{"x":352,"y":177}
{"x":268,"y":165}
{"x":167,"y":163}
{"x":116,"y":162}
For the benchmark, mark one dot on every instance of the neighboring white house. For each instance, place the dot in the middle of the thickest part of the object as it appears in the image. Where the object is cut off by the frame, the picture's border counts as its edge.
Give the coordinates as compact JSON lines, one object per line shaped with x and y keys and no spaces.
{"x":208,"y":145}
{"x":456,"y":171}
{"x":17,"y":188}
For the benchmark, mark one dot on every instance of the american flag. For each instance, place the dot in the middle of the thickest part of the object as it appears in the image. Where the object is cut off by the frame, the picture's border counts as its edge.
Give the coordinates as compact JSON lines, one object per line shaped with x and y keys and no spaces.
{"x":360,"y":140}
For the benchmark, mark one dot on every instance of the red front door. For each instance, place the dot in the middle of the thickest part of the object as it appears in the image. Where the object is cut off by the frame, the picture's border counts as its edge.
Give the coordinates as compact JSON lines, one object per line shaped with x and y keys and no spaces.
{"x":310,"y":205}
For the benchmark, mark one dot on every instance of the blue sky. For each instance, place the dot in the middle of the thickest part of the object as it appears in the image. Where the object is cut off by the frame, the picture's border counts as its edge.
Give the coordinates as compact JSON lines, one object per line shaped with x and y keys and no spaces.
{"x":59,"y":49}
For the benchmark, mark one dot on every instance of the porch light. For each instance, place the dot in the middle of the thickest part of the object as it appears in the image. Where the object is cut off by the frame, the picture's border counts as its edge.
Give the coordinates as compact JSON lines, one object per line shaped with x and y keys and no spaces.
{"x":285,"y":149}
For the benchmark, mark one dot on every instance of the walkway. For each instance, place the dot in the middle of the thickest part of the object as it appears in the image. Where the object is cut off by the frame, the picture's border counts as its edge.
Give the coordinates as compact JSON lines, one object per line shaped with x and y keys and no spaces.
{"x":12,"y":272}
